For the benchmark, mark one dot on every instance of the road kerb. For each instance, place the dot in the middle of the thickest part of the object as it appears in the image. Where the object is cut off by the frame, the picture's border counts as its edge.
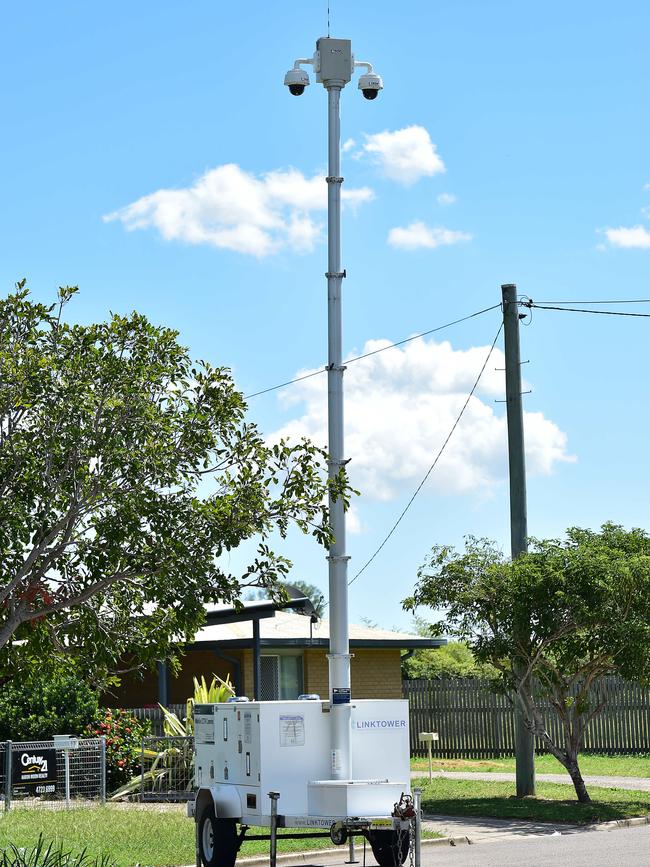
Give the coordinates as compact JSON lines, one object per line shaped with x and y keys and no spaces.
{"x":622,"y":823}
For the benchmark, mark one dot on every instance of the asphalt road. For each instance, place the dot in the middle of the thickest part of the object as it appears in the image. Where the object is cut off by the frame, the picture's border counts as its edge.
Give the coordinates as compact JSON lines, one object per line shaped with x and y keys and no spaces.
{"x":628,"y":847}
{"x":623,"y":847}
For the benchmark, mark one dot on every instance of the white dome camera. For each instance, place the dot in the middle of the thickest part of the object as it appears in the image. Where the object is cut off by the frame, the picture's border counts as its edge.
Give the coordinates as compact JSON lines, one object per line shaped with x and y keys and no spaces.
{"x":370,"y":84}
{"x":296,"y":80}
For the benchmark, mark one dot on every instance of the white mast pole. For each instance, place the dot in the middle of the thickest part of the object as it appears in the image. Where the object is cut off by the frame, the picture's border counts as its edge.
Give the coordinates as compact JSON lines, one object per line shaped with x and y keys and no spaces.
{"x":334,"y":63}
{"x":339,"y":655}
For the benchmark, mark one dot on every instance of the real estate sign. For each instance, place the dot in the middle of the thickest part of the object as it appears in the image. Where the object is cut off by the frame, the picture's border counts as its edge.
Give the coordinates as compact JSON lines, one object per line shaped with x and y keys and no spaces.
{"x":34,"y":771}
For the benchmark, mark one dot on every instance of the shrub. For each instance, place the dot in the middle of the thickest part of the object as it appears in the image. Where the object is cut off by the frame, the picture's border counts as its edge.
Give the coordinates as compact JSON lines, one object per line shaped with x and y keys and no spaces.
{"x":124,"y":735}
{"x":46,"y":703}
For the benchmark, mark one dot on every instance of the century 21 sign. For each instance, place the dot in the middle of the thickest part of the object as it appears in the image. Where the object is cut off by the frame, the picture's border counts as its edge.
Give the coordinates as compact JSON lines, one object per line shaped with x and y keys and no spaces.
{"x":34,"y":771}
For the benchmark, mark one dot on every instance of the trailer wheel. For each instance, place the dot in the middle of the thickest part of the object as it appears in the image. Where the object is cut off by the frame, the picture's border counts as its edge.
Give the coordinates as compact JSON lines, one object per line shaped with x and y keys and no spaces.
{"x":217,"y":839}
{"x":390,"y":848}
{"x":338,"y":834}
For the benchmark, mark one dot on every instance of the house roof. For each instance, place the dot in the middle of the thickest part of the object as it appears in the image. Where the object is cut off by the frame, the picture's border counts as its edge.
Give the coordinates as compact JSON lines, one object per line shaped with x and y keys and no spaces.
{"x":287,"y":629}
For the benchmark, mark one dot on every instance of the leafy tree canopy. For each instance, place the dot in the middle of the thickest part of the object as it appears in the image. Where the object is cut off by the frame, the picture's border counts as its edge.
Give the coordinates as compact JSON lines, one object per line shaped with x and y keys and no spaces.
{"x":126,"y":472}
{"x":454,"y":659}
{"x":554,"y":622}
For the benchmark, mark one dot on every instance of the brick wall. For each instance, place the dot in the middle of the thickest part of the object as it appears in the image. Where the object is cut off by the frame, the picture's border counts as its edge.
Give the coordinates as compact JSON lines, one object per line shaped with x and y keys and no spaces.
{"x":197,"y":663}
{"x":135,"y":690}
{"x":315,"y":671}
{"x":375,"y":673}
{"x":141,"y":689}
{"x":247,"y":674}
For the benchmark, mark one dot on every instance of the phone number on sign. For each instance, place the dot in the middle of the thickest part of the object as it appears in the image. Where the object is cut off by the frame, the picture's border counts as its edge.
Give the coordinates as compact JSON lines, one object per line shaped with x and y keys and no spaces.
{"x":45,"y":790}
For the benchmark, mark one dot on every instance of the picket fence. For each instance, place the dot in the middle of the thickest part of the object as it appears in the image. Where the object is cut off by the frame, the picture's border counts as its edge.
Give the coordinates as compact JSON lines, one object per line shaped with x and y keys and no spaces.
{"x":473,"y":722}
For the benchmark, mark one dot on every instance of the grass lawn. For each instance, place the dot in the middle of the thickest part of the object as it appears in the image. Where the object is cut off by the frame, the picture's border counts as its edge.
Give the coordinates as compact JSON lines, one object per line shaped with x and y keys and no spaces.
{"x":130,"y":836}
{"x":554,"y":803}
{"x":608,"y":766}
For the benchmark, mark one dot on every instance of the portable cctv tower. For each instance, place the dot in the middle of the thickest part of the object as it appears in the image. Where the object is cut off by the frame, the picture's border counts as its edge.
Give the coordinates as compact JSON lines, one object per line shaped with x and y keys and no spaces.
{"x":340,"y":764}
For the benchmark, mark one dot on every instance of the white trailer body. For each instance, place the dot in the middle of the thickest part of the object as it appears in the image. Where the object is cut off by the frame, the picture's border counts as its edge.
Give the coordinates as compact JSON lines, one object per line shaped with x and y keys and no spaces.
{"x":246,"y":749}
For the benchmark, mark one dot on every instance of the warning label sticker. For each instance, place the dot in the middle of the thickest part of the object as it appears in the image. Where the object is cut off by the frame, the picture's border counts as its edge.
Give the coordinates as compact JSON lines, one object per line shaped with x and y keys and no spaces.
{"x":292,"y":730}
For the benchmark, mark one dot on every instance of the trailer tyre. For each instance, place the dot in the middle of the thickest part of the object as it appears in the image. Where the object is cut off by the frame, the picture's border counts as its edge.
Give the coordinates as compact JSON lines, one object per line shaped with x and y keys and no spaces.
{"x":390,"y":848}
{"x":217,"y":839}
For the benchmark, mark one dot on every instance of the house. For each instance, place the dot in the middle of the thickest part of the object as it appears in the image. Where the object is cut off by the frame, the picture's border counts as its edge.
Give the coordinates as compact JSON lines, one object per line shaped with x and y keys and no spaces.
{"x":283,"y":652}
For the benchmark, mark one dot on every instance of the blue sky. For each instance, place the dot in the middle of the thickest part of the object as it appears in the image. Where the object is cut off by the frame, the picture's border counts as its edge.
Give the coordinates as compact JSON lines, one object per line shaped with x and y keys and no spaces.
{"x":538,"y":115}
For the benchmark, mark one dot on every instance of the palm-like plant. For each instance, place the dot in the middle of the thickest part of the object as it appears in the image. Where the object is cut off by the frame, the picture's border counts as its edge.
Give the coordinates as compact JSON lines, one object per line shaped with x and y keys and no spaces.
{"x":177,"y":761}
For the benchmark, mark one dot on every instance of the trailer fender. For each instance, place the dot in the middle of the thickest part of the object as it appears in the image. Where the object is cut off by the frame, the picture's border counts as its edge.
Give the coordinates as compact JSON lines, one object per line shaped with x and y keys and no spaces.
{"x":226,"y":800}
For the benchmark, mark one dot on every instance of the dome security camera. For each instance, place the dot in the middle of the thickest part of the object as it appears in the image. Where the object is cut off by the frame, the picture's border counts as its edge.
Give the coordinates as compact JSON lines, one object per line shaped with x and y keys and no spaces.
{"x":370,"y":84}
{"x":296,"y":80}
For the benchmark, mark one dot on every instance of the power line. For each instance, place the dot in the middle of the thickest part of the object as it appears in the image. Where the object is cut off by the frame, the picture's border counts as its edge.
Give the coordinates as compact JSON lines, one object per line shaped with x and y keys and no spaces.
{"x":374,"y":351}
{"x":614,"y":301}
{"x":583,"y":310}
{"x":283,"y":384}
{"x":437,"y":458}
{"x":423,"y":334}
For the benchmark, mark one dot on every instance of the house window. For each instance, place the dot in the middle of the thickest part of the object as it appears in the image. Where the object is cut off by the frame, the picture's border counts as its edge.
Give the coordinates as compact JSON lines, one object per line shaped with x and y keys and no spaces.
{"x":281,"y":676}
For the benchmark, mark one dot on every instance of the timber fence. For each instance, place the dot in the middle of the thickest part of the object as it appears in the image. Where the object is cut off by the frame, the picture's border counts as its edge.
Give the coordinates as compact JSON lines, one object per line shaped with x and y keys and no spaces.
{"x":156,"y":717}
{"x":474,"y":722}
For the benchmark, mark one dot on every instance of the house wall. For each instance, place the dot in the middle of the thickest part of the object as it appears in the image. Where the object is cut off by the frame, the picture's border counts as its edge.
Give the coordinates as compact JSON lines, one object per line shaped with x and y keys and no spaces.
{"x":247,"y":673}
{"x":376,"y":673}
{"x":197,"y":663}
{"x":142,"y":689}
{"x":135,"y":690}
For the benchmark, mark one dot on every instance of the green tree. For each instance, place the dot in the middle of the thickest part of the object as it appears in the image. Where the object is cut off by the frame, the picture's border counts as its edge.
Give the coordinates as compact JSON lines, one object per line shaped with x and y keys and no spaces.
{"x":126,"y":472}
{"x":587,"y":600}
{"x":454,"y":659}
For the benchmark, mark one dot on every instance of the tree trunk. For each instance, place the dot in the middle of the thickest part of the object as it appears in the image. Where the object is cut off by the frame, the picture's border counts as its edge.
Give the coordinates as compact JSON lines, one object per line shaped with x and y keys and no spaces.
{"x":578,"y":782}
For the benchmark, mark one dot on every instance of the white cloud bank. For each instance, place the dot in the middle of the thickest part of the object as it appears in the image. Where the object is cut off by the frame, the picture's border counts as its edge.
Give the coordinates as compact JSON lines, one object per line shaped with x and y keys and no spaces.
{"x":445,"y":199}
{"x":629,"y":237}
{"x":400,"y":407}
{"x":232,"y":209}
{"x":418,"y":235}
{"x":404,"y":155}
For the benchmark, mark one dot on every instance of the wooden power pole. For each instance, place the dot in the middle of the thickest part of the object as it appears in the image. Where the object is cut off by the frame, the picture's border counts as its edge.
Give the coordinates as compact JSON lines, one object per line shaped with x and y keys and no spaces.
{"x":524,"y":740}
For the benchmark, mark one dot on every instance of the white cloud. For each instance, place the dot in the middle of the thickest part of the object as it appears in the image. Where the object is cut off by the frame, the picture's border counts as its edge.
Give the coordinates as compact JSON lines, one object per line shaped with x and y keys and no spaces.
{"x":355,"y":197}
{"x":630,"y":237}
{"x":348,"y":144}
{"x":419,"y":235}
{"x":400,"y":407}
{"x":446,"y":199}
{"x":405,"y":155}
{"x":353,"y":521}
{"x":230,"y":208}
